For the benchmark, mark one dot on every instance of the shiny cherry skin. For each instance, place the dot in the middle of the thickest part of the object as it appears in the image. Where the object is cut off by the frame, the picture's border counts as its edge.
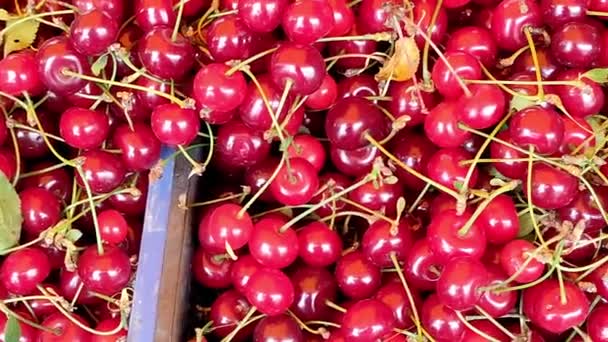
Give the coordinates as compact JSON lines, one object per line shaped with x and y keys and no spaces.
{"x":444,"y":167}
{"x":239,"y":146}
{"x":113,"y":227}
{"x":106,"y":273}
{"x":228,"y":38}
{"x":512,"y":258}
{"x":548,"y":66}
{"x":381,"y":240}
{"x":261,"y":16}
{"x":67,"y":331}
{"x":304,"y":76}
{"x":308,"y":147}
{"x":510,"y":18}
{"x":367,"y":320}
{"x":476,"y":41}
{"x":91,"y":33}
{"x":359,"y":85}
{"x":410,"y":99}
{"x":351,"y":119}
{"x":215,"y":91}
{"x":242,"y":270}
{"x":466,"y":67}
{"x":8,"y":164}
{"x":440,"y":321}
{"x":364,"y":47}
{"x":344,"y":18}
{"x":459,"y":285}
{"x":447,"y":242}
{"x":598,"y":278}
{"x":511,"y":169}
{"x":441,"y":125}
{"x":500,"y":220}
{"x":58,"y":181}
{"x":312,"y":288}
{"x":83,"y":128}
{"x":211,"y":271}
{"x":23,"y":270}
{"x":40,"y":209}
{"x":577,"y":136}
{"x":102,"y":170}
{"x":149,"y":99}
{"x":374,"y":15}
{"x":537,"y":127}
{"x":132,"y":204}
{"x":277,"y":328}
{"x":355,"y":163}
{"x":164,"y":57}
{"x":257,"y":175}
{"x":487,"y":328}
{"x":18,"y":74}
{"x":306,"y":21}
{"x":357,"y":276}
{"x":270,"y":291}
{"x":559,"y":12}
{"x":56,"y":55}
{"x":69,"y":284}
{"x":173,"y":125}
{"x":422,"y":267}
{"x":223,"y":225}
{"x":584,"y":207}
{"x":423,"y":14}
{"x":497,"y":304}
{"x":576,"y":44}
{"x":319,"y":246}
{"x":27,"y":333}
{"x":295,"y":184}
{"x":107,"y":325}
{"x":380,"y":196}
{"x":151,"y":14}
{"x":325,"y":95}
{"x":597,"y":323}
{"x":113,"y":8}
{"x":580,"y":101}
{"x":551,"y":188}
{"x":31,"y":144}
{"x":253,"y":110}
{"x":140,"y":147}
{"x":393,"y":295}
{"x":270,"y":246}
{"x":483,"y":108}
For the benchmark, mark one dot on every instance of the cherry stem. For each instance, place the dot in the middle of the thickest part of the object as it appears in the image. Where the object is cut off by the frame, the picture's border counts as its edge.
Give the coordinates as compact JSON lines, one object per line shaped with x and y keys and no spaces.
{"x":529,"y":196}
{"x":334,"y":306}
{"x":418,"y":199}
{"x":495,"y":322}
{"x":356,"y":55}
{"x":246,"y":320}
{"x":408,"y":292}
{"x":180,"y":12}
{"x":264,"y":187}
{"x":30,"y":17}
{"x":197,"y":168}
{"x":473,"y":328}
{"x":249,"y":60}
{"x":597,"y":13}
{"x":587,"y":268}
{"x":328,"y":324}
{"x":501,"y":85}
{"x":246,"y":191}
{"x":319,"y":331}
{"x":15,"y":149}
{"x":539,"y":77}
{"x":277,"y":114}
{"x":426,"y":75}
{"x":8,"y":312}
{"x":508,"y":61}
{"x":380,"y":36}
{"x":273,"y":115}
{"x":368,"y":210}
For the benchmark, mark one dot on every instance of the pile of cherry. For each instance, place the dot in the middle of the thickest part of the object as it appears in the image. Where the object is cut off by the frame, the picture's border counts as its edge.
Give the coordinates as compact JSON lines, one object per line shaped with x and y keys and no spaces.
{"x":379,"y":170}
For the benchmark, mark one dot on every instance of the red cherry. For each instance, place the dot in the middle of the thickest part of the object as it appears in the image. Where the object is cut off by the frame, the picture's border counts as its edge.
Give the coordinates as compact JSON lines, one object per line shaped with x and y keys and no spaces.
{"x":367,"y":320}
{"x":447,"y":242}
{"x":211,"y":271}
{"x":548,"y":66}
{"x":55,"y":56}
{"x":150,"y":14}
{"x":465,"y":66}
{"x":510,"y":18}
{"x":69,"y":286}
{"x":148,"y":99}
{"x":277,"y":328}
{"x":319,"y":246}
{"x":62,"y":329}
{"x":216,"y":91}
{"x":140,"y":148}
{"x":253,"y":110}
{"x":113,"y":227}
{"x":58,"y":181}
{"x":309,"y":148}
{"x":165,"y":57}
{"x":580,"y":101}
{"x":538,"y":127}
{"x":355,"y":163}
{"x":109,"y":325}
{"x":483,"y":108}
{"x":409,"y":99}
{"x":477,"y":41}
{"x":357,"y":277}
{"x":114,"y":8}
{"x":511,"y":169}
{"x":40,"y":209}
{"x":229,"y":39}
{"x":378,"y":196}
{"x":497,"y":304}
{"x":577,"y":133}
{"x":106,"y":273}
{"x":83,"y":128}
{"x":500,"y":220}
{"x":512,"y":258}
{"x":173,"y":125}
{"x":270,"y":291}
{"x":296,"y":182}
{"x":92,"y":33}
{"x":363,"y":47}
{"x":441,"y":322}
{"x":351,"y":119}
{"x":551,"y":188}
{"x":444,"y":167}
{"x":393,"y":295}
{"x":312,"y":288}
{"x":227,"y":310}
{"x":18,"y":74}
{"x":343,"y":18}
{"x":459,"y":285}
{"x":306,"y":21}
{"x":103,"y":171}
{"x":132,"y":204}
{"x":271,"y":247}
{"x":302,"y":65}
{"x":374,"y":15}
{"x":325,"y":95}
{"x":576,"y":44}
{"x":423,"y":14}
{"x":23,"y":270}
{"x":261,"y":16}
{"x":240,"y":146}
{"x":597,"y":323}
{"x":441,"y":125}
{"x":242,"y":270}
{"x":223,"y":225}
{"x":422,"y":267}
{"x":488,"y":328}
{"x":585,"y":208}
{"x":381,"y":240}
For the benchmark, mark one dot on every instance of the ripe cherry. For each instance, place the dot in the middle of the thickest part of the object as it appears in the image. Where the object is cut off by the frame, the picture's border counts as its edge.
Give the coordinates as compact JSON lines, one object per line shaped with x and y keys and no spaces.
{"x":441,"y":322}
{"x":497,"y":304}
{"x":500,"y":220}
{"x":306,"y":21}
{"x":319,"y":246}
{"x":585,"y":208}
{"x":240,"y":146}
{"x":211,"y":271}
{"x":301,"y":66}
{"x":548,"y":66}
{"x":40,"y":209}
{"x":447,"y":241}
{"x":277,"y":328}
{"x":102,"y":171}
{"x":312,"y":288}
{"x":357,"y":277}
{"x":296,"y":182}
{"x":511,"y":169}
{"x":23,"y":270}
{"x":224,"y":225}
{"x":55,"y":56}
{"x":465,"y":66}
{"x":91,"y":33}
{"x":261,"y":16}
{"x":270,"y":291}
{"x":257,"y":175}
{"x":18,"y":74}
{"x":576,"y":44}
{"x":62,"y":329}
{"x":351,"y":119}
{"x":444,"y":167}
{"x":537,"y":127}
{"x":375,"y":16}
{"x":551,"y":188}
{"x":325,"y":95}
{"x":364,"y":47}
{"x":69,"y":286}
{"x":114,"y":8}
{"x":410,"y":99}
{"x":580,"y":101}
{"x":307,"y":147}
{"x":215,"y":91}
{"x":270,"y":246}
{"x":83,"y":128}
{"x":58,"y":181}
{"x":113,"y":227}
{"x":423,"y":14}
{"x":253,"y":110}
{"x":107,"y":325}
{"x":149,"y":99}
{"x":476,"y":41}
{"x":558,"y":12}
{"x":344,"y":18}
{"x":422,"y":267}
{"x":378,"y":196}
{"x":513,"y":256}
{"x":577,"y":136}
{"x":229,"y":39}
{"x":441,"y":125}
{"x":150,"y":14}
{"x":367,"y":320}
{"x":382,"y":239}
{"x":355,"y":163}
{"x":132,"y":204}
{"x":140,"y":148}
{"x":106,"y":273}
{"x":597,"y":323}
{"x":393,"y":295}
{"x":459,"y":285}
{"x":164,"y":57}
{"x":510,"y":18}
{"x":331,"y":183}
{"x":173,"y":125}
{"x":242,"y":270}
{"x":483,"y":108}
{"x":31,"y":144}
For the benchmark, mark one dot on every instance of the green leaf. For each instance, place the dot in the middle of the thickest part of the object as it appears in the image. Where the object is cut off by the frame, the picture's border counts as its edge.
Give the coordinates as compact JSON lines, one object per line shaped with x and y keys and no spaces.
{"x":10,"y":214}
{"x":21,"y":35}
{"x":519,"y":102}
{"x":526,"y":226}
{"x":73,"y":235}
{"x":99,"y":65}
{"x":599,"y":75}
{"x":600,"y":137}
{"x":12,"y":330}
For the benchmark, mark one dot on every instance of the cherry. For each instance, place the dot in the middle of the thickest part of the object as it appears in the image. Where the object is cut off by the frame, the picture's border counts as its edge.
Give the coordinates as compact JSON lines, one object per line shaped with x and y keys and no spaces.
{"x":257,"y":175}
{"x":271,"y":247}
{"x":440,"y":321}
{"x":423,"y":14}
{"x":18,"y":74}
{"x":113,"y":8}
{"x":132,"y":204}
{"x":577,"y":132}
{"x":447,"y":241}
{"x":261,"y":16}
{"x":459,"y":285}
{"x":580,"y":101}
{"x":224,"y":225}
{"x":40,"y":209}
{"x":131,"y":106}
{"x":109,"y":325}
{"x":151,"y":14}
{"x":277,"y":328}
{"x":409,"y":99}
{"x":357,"y":276}
{"x":55,"y":56}
{"x":8,"y":164}
{"x":242,"y":270}
{"x":551,"y":188}
{"x":312,"y":288}
{"x":325,"y":95}
{"x":444,"y":167}
{"x":296,"y":182}
{"x":69,"y":285}
{"x":511,"y":169}
{"x":382,"y":239}
{"x":598,"y":278}
{"x":270,"y":291}
{"x":483,"y":108}
{"x":173,"y":125}
{"x":510,"y":18}
{"x":576,"y":44}
{"x":319,"y":246}
{"x":113,"y":227}
{"x":597,"y":323}
{"x":211,"y":271}
{"x":464,"y":65}
{"x":441,"y":125}
{"x":548,"y":66}
{"x":354,"y":163}
{"x":140,"y":147}
{"x":306,"y":21}
{"x":351,"y":119}
{"x":537,"y":127}
{"x":216,"y":91}
{"x":513,"y":256}
{"x":164,"y":57}
{"x":344,"y":47}
{"x":102,"y":171}
{"x":584,"y":208}
{"x":229,"y":39}
{"x":331,"y":183}
{"x":422,"y":267}
{"x":476,"y":41}
{"x":344,"y":18}
{"x":91,"y":33}
{"x":367,"y":320}
{"x":500,"y":220}
{"x":83,"y":128}
{"x":488,"y":328}
{"x":151,"y":100}
{"x":375,"y":16}
{"x":309,"y":148}
{"x":300,"y":66}
{"x":378,"y":196}
{"x":57,"y":181}
{"x":497,"y":304}
{"x":62,"y":329}
{"x":559,"y":12}
{"x":106,"y":273}
{"x":23,"y":270}
{"x":31,"y":144}
{"x":393,"y":295}
{"x":253,"y":110}
{"x":27,"y":333}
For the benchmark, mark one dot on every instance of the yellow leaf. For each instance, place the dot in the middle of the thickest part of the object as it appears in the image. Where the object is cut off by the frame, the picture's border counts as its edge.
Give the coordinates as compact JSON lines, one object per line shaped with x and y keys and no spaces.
{"x":20,"y":35}
{"x":404,"y":63}
{"x":4,"y":15}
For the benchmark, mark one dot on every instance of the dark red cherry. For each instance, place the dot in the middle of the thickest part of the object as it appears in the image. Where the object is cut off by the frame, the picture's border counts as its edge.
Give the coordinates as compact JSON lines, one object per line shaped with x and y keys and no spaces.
{"x":348,"y":47}
{"x":351,"y":120}
{"x":441,"y":125}
{"x":464,"y":65}
{"x":113,"y":227}
{"x":502,"y":152}
{"x":355,"y":163}
{"x":510,"y":18}
{"x":102,"y":171}
{"x":261,"y":16}
{"x":253,"y":110}
{"x":270,"y":291}
{"x":60,"y":328}
{"x":57,"y":181}
{"x":483,"y":108}
{"x":459,"y":286}
{"x":367,"y":320}
{"x":165,"y":57}
{"x":500,"y":220}
{"x":477,"y":41}
{"x":444,"y":167}
{"x":224,"y":225}
{"x":83,"y":128}
{"x":548,"y":66}
{"x":18,"y":74}
{"x":240,"y":146}
{"x":319,"y":246}
{"x":325,"y":95}
{"x":375,"y":16}
{"x":55,"y":56}
{"x":580,"y":101}
{"x":40,"y":209}
{"x":512,"y":258}
{"x":109,"y":325}
{"x":300,"y":66}
{"x":439,"y":321}
{"x":422,"y":268}
{"x":597,"y":323}
{"x":173,"y":125}
{"x":151,"y":14}
{"x":27,"y":333}
{"x":149,"y":99}
{"x":140,"y":147}
{"x":242,"y":270}
{"x":106,"y":273}
{"x":357,"y":276}
{"x":281,"y":328}
{"x":359,"y":85}
{"x":577,"y":136}
{"x":393,"y":295}
{"x":447,"y":241}
{"x":23,"y":270}
{"x":313,"y":287}
{"x":257,"y":175}
{"x":378,"y":196}
{"x":423,"y":14}
{"x":382,"y":239}
{"x":132,"y":204}
{"x":229,"y":39}
{"x":70,"y":285}
{"x":270,"y":246}
{"x":558,"y":12}
{"x":576,"y":44}
{"x":331,"y":183}
{"x":91,"y":33}
{"x":114,"y":8}
{"x":551,"y":188}
{"x":308,"y":147}
{"x":130,"y":106}
{"x":344,"y":18}
{"x":585,"y":208}
{"x":538,"y":127}
{"x":296,"y":183}
{"x":215,"y":91}
{"x":211,"y":271}
{"x":306,"y":21}
{"x":497,"y":304}
{"x":410,"y":99}
{"x":31,"y":144}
